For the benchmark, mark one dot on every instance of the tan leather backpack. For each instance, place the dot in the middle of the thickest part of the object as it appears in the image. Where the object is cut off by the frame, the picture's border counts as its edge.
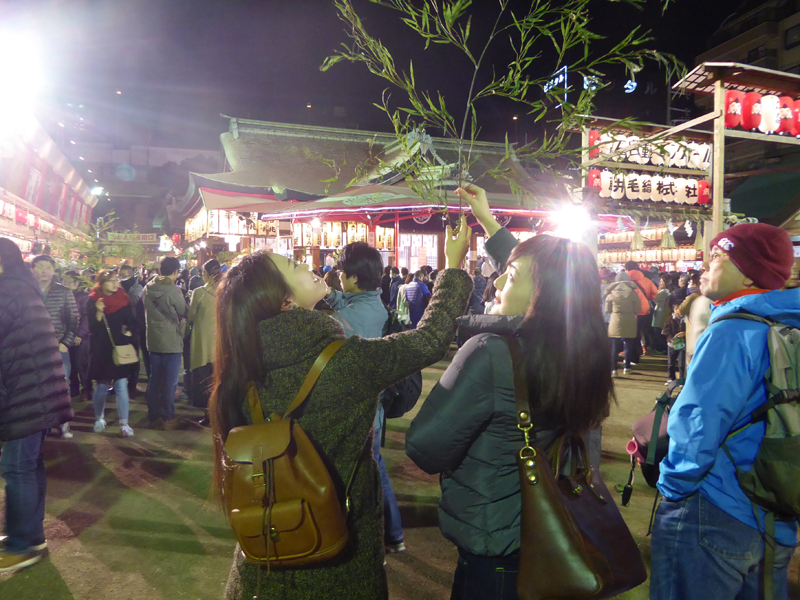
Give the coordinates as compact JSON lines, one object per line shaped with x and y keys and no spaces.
{"x":279,"y":496}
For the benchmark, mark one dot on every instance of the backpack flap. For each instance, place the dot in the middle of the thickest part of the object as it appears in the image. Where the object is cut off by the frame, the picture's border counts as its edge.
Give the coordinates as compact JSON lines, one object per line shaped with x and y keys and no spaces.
{"x":273,"y":438}
{"x":292,"y":534}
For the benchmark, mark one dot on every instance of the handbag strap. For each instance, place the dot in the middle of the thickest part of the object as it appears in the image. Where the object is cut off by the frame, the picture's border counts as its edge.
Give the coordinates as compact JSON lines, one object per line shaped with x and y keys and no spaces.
{"x":521,"y":402}
{"x":108,"y":329}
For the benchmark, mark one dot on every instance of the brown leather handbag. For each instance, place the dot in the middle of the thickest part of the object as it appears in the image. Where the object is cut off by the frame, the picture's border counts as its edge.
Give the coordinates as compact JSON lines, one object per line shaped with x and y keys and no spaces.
{"x":574,"y":542}
{"x":280,"y":498}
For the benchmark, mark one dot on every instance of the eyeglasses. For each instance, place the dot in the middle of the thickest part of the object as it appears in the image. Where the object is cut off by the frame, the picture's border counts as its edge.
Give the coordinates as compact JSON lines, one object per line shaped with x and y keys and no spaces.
{"x":716,"y":255}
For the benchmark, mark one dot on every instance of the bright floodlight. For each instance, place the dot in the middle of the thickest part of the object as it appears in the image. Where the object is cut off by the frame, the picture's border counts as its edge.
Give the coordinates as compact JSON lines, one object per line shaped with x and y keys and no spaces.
{"x":96,"y":191}
{"x":316,"y":223}
{"x":203,"y":244}
{"x":20,"y":72}
{"x":572,"y":222}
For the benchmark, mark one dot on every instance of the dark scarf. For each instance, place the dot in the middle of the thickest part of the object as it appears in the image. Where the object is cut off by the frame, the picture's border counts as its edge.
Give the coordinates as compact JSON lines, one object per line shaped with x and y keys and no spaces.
{"x":112,"y":303}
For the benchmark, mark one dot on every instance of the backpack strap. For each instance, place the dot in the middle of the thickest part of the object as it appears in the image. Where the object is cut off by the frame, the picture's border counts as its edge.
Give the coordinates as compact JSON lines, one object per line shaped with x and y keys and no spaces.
{"x":254,"y":401}
{"x":313,"y":375}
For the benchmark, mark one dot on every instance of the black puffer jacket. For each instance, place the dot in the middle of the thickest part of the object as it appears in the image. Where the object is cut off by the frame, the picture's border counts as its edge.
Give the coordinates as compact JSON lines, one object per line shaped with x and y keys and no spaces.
{"x":33,"y":392}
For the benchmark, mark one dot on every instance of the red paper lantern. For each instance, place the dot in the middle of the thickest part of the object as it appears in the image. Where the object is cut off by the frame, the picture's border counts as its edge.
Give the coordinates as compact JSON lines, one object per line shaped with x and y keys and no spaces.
{"x":796,"y":112}
{"x":786,"y":114}
{"x":751,"y":111}
{"x":594,"y":139}
{"x":703,"y":192}
{"x":733,"y":108}
{"x":593,"y":179}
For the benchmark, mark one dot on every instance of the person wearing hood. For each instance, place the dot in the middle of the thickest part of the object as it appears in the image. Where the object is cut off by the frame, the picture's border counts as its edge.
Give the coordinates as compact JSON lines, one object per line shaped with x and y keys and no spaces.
{"x":112,"y":322}
{"x":647,"y":292}
{"x":164,"y":309}
{"x":622,"y":304}
{"x":34,"y":396}
{"x":195,"y":279}
{"x":708,"y":537}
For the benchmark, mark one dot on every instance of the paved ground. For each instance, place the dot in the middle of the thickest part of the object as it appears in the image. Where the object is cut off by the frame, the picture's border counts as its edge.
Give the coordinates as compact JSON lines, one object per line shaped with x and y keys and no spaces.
{"x":129,"y":518}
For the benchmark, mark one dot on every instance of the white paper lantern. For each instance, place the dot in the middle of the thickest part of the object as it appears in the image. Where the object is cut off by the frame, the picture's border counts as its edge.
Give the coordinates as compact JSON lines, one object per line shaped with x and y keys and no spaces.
{"x":656,"y":158}
{"x":605,"y":184}
{"x":632,"y":190}
{"x":691,"y":191}
{"x":634,"y":155}
{"x":681,"y":157}
{"x":669,"y":188}
{"x":645,"y":186}
{"x":680,"y":190}
{"x":770,"y":114}
{"x":619,"y":145}
{"x":657,"y":189}
{"x":604,"y":144}
{"x":618,"y":187}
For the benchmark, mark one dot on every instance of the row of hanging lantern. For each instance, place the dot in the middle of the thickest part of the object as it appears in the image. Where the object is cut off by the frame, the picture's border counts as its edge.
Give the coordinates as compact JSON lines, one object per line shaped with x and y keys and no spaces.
{"x":656,"y":188}
{"x":672,"y":153}
{"x":767,"y":113}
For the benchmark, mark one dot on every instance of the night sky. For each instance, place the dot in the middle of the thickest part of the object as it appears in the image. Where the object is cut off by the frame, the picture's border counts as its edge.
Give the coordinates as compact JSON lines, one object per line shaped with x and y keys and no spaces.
{"x":180,"y":63}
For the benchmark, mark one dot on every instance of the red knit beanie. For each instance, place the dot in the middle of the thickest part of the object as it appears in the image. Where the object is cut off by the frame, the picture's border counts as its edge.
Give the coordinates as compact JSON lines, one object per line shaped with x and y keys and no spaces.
{"x":762,"y":252}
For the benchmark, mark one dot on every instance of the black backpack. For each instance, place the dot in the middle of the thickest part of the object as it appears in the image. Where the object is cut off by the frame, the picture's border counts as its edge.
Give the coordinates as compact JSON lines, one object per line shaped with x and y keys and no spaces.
{"x":401,"y":397}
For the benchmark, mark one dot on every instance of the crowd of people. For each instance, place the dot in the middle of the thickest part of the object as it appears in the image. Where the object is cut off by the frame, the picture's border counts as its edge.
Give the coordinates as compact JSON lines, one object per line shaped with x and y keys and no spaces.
{"x":263,"y":323}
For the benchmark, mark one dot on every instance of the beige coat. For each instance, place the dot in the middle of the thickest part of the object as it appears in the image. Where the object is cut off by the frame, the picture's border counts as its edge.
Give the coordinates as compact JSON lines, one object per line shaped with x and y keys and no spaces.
{"x":203,"y":319}
{"x":622,"y":303}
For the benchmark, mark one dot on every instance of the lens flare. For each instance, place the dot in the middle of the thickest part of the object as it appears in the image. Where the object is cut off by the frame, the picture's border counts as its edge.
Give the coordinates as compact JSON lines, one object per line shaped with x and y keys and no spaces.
{"x":572,"y":222}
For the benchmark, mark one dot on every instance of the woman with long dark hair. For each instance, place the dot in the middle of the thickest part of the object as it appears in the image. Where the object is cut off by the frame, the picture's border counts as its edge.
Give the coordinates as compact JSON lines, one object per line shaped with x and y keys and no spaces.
{"x":202,"y":319}
{"x":268,"y":334}
{"x":110,"y":317}
{"x":549,"y":298}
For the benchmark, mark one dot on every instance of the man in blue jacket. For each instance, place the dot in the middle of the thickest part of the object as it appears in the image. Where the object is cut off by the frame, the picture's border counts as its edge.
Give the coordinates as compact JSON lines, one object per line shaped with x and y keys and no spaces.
{"x":361,"y":312}
{"x":707,"y":535}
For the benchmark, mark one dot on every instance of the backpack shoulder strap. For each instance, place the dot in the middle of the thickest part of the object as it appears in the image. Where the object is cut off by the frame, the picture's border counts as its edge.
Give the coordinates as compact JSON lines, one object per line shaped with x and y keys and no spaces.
{"x":313,"y":375}
{"x":741,"y":314}
{"x":254,"y":401}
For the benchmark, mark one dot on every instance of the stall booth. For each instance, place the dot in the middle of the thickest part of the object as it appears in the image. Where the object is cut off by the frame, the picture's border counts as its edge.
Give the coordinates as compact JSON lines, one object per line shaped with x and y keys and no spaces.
{"x":44,"y":202}
{"x":316,"y":189}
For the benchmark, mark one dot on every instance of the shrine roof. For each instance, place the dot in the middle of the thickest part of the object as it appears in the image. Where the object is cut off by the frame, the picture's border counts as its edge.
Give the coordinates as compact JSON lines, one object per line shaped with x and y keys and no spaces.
{"x":738,"y":76}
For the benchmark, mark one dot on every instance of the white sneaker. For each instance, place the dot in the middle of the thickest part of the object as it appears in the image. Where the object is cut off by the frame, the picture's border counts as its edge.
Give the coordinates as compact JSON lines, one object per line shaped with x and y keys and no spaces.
{"x":65,"y":432}
{"x":126,"y":430}
{"x":99,"y":426}
{"x":626,"y":371}
{"x":614,"y":373}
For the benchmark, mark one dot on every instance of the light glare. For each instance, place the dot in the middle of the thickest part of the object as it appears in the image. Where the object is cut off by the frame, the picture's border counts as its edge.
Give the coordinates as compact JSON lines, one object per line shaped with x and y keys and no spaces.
{"x":572,"y":222}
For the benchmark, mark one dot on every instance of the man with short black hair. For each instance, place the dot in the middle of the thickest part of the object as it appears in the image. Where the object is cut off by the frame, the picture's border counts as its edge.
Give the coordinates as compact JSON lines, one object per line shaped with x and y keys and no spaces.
{"x":386,"y":285}
{"x":360,"y":311}
{"x":164,"y":308}
{"x":397,"y":281}
{"x":60,"y":303}
{"x":708,"y":537}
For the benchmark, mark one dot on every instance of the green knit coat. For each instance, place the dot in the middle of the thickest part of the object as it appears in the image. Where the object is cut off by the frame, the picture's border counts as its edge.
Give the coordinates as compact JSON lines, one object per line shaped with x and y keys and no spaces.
{"x":338,"y":416}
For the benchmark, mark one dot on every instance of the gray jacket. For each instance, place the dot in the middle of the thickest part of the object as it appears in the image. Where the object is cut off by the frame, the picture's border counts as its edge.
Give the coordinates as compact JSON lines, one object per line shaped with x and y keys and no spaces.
{"x":164,"y":307}
{"x":60,"y":303}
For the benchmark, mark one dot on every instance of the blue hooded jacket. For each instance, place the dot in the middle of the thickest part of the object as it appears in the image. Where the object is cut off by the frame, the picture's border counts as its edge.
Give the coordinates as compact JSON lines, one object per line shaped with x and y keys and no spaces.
{"x":725,"y":383}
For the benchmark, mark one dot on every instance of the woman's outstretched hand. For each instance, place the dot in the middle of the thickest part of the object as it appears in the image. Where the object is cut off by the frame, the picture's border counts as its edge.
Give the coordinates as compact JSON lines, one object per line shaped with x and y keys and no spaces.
{"x":456,"y":246}
{"x":476,"y":198}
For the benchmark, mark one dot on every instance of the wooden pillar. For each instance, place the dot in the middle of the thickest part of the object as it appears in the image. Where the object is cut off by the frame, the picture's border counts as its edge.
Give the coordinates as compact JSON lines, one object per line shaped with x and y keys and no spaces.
{"x":718,"y":182}
{"x":440,"y":255}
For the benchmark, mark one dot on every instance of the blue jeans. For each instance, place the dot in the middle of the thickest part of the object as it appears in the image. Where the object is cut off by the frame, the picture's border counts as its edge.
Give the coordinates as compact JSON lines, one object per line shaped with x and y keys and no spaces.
{"x":22,"y":468}
{"x":392,"y":525}
{"x":67,"y":364}
{"x":121,"y":392}
{"x":630,"y":351}
{"x":485,"y":577}
{"x":701,"y":552}
{"x":165,"y":369}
